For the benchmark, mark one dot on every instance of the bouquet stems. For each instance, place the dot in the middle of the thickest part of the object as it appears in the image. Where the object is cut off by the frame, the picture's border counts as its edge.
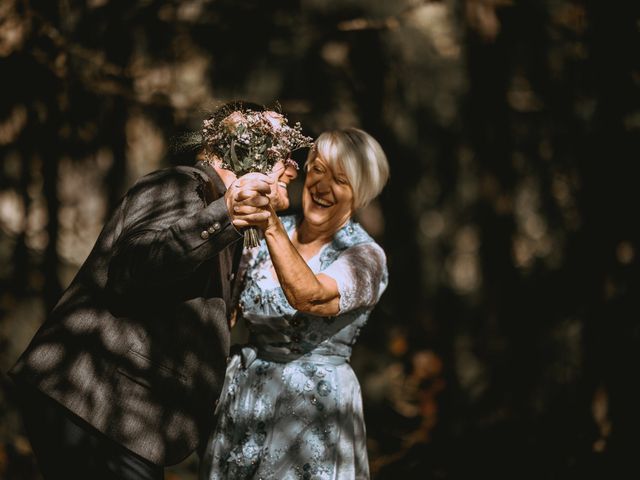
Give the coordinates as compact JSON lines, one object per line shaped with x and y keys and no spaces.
{"x":251,"y":237}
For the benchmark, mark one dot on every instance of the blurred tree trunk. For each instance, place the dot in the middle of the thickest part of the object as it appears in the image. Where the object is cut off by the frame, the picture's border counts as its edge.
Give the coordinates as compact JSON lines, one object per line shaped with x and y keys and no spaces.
{"x":20,"y":260}
{"x":50,"y":153}
{"x":370,"y":91}
{"x":610,"y":200}
{"x":116,"y":139}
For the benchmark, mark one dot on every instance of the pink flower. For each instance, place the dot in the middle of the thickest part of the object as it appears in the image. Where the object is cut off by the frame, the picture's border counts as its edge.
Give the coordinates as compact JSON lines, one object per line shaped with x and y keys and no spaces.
{"x":232,"y":121}
{"x":275,"y":119}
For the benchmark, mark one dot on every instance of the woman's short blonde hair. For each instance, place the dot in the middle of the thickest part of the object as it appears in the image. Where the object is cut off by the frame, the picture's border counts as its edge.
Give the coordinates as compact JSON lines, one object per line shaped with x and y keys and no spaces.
{"x":359,"y":156}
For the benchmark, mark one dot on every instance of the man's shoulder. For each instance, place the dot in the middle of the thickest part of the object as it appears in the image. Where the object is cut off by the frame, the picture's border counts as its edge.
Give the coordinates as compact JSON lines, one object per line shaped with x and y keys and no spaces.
{"x":179,"y":176}
{"x":185,"y":172}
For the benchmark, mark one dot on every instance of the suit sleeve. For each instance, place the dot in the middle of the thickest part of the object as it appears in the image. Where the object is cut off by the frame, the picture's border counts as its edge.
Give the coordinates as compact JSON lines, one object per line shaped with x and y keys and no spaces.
{"x":167,"y":232}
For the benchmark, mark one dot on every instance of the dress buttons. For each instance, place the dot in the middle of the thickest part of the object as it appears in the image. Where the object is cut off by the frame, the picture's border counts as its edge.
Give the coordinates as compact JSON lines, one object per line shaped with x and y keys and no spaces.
{"x":296,"y":338}
{"x":204,"y":235}
{"x":232,"y":276}
{"x":211,"y":230}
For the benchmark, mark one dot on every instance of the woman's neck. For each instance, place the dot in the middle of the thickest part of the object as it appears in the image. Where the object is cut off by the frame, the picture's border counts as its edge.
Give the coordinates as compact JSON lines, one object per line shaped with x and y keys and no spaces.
{"x":312,"y":235}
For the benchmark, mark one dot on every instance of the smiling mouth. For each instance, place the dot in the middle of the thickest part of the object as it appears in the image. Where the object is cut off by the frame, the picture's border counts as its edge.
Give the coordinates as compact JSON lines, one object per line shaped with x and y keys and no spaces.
{"x":282,"y":185}
{"x":321,"y":202}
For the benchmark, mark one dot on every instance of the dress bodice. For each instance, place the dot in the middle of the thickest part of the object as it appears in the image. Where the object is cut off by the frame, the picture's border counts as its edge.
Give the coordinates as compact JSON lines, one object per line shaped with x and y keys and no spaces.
{"x":279,"y":331}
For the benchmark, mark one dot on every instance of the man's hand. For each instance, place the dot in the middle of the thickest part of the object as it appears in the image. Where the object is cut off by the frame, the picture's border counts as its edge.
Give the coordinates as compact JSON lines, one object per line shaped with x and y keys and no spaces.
{"x":247,"y":198}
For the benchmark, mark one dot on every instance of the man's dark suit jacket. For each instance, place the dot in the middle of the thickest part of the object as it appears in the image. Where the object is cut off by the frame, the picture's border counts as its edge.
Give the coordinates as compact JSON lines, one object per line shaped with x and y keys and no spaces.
{"x":137,"y":344}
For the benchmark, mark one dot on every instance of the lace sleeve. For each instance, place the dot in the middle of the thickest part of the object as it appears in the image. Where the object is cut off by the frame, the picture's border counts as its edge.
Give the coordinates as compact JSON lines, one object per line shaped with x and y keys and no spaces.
{"x":361,"y":275}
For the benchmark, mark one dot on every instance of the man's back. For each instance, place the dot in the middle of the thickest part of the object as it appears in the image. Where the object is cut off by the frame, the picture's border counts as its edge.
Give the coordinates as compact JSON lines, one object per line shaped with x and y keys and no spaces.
{"x":136,"y":346}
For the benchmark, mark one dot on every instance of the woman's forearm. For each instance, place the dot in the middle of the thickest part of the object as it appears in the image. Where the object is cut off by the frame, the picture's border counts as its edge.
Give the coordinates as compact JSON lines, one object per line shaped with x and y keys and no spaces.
{"x":305,"y":291}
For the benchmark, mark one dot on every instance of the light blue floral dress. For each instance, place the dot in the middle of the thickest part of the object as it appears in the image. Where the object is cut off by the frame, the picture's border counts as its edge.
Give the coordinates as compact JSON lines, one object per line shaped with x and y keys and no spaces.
{"x":291,"y":406}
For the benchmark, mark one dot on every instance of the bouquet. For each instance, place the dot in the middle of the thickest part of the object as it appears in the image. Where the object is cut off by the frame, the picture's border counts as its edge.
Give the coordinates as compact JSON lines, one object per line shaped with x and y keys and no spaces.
{"x":252,"y":141}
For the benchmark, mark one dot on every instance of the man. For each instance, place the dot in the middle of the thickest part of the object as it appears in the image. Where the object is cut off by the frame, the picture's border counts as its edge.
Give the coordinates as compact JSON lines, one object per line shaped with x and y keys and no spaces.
{"x":123,"y":376}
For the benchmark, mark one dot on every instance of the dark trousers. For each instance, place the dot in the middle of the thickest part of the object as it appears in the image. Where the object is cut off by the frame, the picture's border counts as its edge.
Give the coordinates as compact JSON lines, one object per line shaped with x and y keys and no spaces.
{"x":66,"y":447}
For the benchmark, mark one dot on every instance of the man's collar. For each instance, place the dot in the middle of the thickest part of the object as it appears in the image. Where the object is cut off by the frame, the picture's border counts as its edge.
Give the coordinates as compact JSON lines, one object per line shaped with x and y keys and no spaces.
{"x":213,"y":175}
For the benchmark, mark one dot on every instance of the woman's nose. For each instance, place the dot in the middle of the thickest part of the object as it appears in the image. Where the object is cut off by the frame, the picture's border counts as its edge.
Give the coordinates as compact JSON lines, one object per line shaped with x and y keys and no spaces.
{"x":323,"y":184}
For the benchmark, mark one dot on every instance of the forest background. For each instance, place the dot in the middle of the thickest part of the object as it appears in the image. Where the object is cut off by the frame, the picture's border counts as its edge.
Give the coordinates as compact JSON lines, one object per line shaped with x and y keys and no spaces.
{"x":507,"y":343}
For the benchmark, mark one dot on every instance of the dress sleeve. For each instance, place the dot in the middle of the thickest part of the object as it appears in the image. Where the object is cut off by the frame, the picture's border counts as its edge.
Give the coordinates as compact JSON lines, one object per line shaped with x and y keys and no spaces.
{"x":361,"y":275}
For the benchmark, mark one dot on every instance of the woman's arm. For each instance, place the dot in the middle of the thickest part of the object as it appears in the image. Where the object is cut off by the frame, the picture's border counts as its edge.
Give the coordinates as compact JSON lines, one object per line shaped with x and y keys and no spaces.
{"x":305,"y":291}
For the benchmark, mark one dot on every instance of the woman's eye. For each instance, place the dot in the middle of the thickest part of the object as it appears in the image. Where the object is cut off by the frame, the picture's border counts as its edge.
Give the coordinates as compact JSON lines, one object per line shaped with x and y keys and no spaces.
{"x":317,"y":169}
{"x":342,"y":181}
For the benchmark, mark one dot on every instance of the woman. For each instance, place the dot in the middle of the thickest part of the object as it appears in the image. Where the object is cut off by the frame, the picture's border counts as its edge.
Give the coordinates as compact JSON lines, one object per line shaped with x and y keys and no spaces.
{"x":291,"y":405}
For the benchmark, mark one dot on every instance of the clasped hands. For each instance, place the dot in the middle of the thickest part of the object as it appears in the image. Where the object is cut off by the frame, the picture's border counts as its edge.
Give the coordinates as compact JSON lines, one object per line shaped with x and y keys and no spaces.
{"x":249,"y":200}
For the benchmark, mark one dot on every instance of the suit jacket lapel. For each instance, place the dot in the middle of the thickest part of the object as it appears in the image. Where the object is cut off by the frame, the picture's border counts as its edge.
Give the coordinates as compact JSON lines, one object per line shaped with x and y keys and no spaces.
{"x":220,"y":187}
{"x":230,"y":256}
{"x":217,"y":183}
{"x":237,"y":255}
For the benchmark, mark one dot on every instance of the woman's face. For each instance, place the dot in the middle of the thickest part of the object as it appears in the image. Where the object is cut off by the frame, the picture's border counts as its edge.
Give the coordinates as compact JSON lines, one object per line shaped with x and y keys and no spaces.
{"x":327,"y":197}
